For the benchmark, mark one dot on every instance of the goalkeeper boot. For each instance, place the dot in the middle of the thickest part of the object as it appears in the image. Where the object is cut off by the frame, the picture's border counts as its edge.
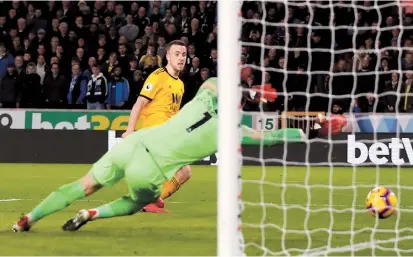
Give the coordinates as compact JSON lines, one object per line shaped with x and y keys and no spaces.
{"x":156,"y":207}
{"x":22,"y":225}
{"x":81,"y":218}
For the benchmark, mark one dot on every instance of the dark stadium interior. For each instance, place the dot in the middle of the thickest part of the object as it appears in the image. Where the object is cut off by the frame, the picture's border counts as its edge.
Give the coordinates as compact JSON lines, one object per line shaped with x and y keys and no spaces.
{"x":353,"y":54}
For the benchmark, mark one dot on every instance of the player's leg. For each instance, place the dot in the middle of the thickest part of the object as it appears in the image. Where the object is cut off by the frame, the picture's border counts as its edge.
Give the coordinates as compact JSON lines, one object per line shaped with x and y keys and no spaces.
{"x":169,"y":188}
{"x":120,"y":207}
{"x":58,"y":200}
{"x":105,"y":172}
{"x":144,"y":181}
{"x":173,"y":185}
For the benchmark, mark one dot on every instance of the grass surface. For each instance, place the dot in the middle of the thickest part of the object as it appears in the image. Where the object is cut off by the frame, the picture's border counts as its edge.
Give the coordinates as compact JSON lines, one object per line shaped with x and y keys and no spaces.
{"x":276,"y":219}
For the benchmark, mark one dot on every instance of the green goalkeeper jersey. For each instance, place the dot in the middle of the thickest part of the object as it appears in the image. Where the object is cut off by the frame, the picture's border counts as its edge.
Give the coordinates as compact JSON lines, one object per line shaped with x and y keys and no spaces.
{"x":192,"y":134}
{"x":189,"y":136}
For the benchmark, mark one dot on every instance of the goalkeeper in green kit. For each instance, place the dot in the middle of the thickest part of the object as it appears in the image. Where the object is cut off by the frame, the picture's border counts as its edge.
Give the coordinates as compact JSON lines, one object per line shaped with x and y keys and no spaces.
{"x":149,"y":157}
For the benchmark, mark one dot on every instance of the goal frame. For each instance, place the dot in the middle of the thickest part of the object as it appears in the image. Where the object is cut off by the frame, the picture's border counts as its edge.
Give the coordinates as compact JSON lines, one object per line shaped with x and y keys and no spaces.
{"x":229,"y":165}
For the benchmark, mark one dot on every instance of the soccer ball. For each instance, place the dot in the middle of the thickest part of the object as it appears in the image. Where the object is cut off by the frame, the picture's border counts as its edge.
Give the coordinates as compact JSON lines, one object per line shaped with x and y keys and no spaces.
{"x":381,"y":202}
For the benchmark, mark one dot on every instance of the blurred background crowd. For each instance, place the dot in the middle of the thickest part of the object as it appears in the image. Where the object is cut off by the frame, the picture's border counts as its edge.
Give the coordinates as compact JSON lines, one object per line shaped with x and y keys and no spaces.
{"x":354,"y":56}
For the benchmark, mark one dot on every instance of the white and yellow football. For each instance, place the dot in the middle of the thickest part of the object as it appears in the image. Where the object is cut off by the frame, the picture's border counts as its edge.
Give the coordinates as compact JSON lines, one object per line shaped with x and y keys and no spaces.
{"x":381,"y":202}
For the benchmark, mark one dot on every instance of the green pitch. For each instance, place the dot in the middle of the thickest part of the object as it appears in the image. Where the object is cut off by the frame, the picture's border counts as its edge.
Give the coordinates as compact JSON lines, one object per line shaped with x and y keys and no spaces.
{"x":191,"y":228}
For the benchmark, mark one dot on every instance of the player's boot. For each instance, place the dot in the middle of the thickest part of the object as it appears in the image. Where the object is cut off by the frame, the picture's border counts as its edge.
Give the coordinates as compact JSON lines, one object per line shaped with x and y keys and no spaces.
{"x":81,"y":218}
{"x":22,"y":225}
{"x":156,"y":207}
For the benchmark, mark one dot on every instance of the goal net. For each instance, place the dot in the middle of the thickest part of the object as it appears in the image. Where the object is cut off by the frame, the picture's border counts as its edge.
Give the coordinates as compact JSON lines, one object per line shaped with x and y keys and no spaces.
{"x":299,"y":59}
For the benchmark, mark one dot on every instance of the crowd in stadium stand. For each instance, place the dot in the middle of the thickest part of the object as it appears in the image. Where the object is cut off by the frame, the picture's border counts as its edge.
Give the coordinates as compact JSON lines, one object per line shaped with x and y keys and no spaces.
{"x":50,"y":52}
{"x":322,"y":60}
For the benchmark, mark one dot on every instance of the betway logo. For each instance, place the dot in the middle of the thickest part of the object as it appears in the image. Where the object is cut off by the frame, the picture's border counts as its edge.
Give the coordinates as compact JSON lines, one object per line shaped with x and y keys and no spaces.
{"x":379,"y":153}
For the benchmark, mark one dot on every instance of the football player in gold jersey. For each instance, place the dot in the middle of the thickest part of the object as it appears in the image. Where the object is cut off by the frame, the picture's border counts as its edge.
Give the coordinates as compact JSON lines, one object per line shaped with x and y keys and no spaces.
{"x":158,"y":101}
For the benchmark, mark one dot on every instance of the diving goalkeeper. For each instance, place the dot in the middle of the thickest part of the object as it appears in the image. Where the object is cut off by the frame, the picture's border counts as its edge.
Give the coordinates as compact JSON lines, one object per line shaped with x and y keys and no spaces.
{"x":146,"y":161}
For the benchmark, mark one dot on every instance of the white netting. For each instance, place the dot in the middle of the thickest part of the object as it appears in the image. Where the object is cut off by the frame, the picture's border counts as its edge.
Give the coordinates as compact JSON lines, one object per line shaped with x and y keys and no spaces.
{"x":320,"y":56}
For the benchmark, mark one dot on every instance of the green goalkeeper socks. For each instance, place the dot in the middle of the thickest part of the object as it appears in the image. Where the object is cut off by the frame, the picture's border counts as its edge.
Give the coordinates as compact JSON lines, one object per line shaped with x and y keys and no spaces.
{"x":120,"y":207}
{"x":57,"y":201}
{"x":289,"y":135}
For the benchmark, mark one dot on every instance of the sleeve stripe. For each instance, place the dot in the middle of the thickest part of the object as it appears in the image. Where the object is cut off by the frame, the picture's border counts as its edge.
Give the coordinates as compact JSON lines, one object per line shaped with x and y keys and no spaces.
{"x":144,"y":96}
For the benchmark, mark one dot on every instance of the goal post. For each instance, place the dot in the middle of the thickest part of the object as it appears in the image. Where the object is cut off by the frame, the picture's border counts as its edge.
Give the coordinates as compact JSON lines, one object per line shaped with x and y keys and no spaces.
{"x":229,"y":29}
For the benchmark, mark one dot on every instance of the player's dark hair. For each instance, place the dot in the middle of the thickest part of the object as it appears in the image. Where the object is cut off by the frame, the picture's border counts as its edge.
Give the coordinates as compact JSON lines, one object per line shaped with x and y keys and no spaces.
{"x":174,"y":43}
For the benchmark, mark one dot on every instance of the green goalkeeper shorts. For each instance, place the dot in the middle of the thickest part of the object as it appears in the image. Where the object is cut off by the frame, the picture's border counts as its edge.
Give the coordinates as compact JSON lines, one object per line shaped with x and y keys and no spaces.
{"x":130,"y":160}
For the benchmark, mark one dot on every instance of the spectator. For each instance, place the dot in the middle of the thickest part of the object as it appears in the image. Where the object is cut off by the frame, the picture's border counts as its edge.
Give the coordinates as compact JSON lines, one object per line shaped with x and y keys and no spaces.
{"x":118,"y":90}
{"x":342,"y":85}
{"x":171,"y":33}
{"x":372,"y":105}
{"x":192,"y":81}
{"x":41,"y":33}
{"x":184,"y":26}
{"x":5,"y":60}
{"x":80,"y":55}
{"x":142,"y":20}
{"x":8,"y":88}
{"x":247,"y":101}
{"x":39,"y":22}
{"x":133,"y":66}
{"x":30,"y":93}
{"x":213,"y":62}
{"x":102,"y":42}
{"x":156,"y":15}
{"x":196,"y":36}
{"x":96,"y":90}
{"x":407,"y":62}
{"x":366,"y":80}
{"x":108,"y":67}
{"x":155,"y":29}
{"x":194,"y":71}
{"x":79,"y":28}
{"x":161,"y":51}
{"x":168,"y":17}
{"x":17,"y":49}
{"x":210,"y":44}
{"x":392,"y":91}
{"x":407,"y":90}
{"x":146,"y":60}
{"x":191,"y":54}
{"x":130,"y":30}
{"x":27,"y":57}
{"x":41,"y":50}
{"x":150,"y":67}
{"x":135,"y":84}
{"x":112,"y":40}
{"x":297,"y":87}
{"x":19,"y":64}
{"x":55,"y":88}
{"x":89,"y":71}
{"x":124,"y":57}
{"x":77,"y":89}
{"x":119,"y":16}
{"x":204,"y":75}
{"x":41,"y":68}
{"x":101,"y":56}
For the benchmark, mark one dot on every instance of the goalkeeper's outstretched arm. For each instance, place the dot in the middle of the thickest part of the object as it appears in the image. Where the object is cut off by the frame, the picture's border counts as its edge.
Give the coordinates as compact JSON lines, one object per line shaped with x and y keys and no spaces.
{"x":288,"y":135}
